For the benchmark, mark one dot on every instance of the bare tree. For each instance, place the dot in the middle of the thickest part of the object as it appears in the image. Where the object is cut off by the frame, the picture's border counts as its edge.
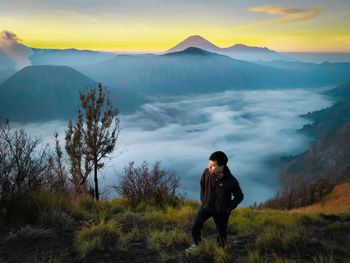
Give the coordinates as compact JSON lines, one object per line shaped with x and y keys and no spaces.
{"x":23,"y":165}
{"x":94,"y":135}
{"x":80,"y":165}
{"x":58,"y":172}
{"x":139,"y":182}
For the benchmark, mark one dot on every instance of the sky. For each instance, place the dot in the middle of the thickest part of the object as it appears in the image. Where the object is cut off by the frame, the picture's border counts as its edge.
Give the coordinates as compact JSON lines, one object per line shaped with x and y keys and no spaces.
{"x":157,"y":25}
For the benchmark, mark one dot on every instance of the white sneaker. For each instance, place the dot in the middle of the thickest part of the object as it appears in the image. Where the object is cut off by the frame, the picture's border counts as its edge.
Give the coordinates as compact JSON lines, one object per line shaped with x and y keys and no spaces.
{"x":190,"y":249}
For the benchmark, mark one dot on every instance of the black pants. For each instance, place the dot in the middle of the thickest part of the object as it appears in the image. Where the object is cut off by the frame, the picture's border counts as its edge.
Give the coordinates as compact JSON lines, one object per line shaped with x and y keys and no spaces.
{"x":220,"y":219}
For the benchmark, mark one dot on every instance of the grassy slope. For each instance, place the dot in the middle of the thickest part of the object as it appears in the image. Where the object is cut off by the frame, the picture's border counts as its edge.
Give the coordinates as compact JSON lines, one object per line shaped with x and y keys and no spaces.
{"x":338,"y":201}
{"x":116,"y":231}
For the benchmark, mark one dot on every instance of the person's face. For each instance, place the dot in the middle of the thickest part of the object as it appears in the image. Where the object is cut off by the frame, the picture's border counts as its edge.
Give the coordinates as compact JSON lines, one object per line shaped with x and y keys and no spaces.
{"x":214,"y":167}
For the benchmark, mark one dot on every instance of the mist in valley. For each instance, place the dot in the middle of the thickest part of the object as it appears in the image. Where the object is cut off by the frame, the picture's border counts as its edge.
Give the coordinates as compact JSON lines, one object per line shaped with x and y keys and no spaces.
{"x":254,"y":128}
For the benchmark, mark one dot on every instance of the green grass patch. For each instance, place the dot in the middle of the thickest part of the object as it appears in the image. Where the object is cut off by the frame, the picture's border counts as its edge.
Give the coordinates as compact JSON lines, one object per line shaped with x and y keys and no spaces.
{"x":157,"y":239}
{"x":100,"y":237}
{"x":121,"y":225}
{"x":169,"y":244}
{"x":206,"y":250}
{"x":134,"y":235}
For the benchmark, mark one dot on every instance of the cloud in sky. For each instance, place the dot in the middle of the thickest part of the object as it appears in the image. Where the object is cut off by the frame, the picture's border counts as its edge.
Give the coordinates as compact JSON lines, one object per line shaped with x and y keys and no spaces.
{"x":77,"y":15}
{"x":19,"y":53}
{"x":287,"y":14}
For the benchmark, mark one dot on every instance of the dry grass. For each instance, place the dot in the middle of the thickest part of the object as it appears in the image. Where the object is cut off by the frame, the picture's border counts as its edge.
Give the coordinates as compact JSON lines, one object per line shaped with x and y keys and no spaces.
{"x":337,"y":202}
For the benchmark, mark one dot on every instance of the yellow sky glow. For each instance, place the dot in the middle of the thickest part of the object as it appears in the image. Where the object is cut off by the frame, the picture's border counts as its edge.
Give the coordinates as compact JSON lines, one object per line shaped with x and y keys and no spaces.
{"x":285,"y":29}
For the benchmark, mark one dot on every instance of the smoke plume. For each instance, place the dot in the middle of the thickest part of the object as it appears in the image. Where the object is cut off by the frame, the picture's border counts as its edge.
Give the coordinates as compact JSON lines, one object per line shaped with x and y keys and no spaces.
{"x":17,"y":52}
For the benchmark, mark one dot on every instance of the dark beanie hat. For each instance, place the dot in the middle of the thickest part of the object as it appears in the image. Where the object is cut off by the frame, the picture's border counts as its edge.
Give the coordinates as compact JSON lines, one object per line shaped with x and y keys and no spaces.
{"x":219,"y":157}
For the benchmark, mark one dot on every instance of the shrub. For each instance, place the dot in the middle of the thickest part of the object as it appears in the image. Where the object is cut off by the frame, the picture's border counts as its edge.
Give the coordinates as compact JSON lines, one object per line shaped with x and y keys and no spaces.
{"x":55,"y":211}
{"x":96,"y":210}
{"x":23,"y":167}
{"x":101,"y":237}
{"x":158,"y":187}
{"x":57,"y":220}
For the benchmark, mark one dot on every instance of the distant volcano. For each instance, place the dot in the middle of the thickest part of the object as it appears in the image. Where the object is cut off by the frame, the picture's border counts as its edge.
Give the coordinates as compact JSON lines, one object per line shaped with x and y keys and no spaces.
{"x":237,"y":51}
{"x":38,"y":93}
{"x":195,"y":41}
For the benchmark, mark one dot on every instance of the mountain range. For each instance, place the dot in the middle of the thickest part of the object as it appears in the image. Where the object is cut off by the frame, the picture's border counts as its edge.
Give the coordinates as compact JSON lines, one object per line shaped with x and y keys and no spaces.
{"x":192,"y":70}
{"x":237,"y":51}
{"x":195,"y":70}
{"x":341,"y":92}
{"x":326,"y":162}
{"x":134,"y":79}
{"x":68,"y":57}
{"x":325,"y":74}
{"x":325,"y":166}
{"x":326,"y":119}
{"x":328,"y":157}
{"x":75,"y":57}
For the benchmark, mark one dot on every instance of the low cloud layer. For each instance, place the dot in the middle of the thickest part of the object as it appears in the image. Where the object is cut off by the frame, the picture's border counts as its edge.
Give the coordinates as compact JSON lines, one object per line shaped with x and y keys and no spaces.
{"x":17,"y":52}
{"x":254,"y":128}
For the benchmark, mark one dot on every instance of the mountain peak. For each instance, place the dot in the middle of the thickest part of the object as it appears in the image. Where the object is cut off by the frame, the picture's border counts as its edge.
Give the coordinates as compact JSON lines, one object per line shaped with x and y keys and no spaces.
{"x":237,"y":51}
{"x":48,"y":70}
{"x":242,"y":47}
{"x":189,"y":51}
{"x":194,"y":41}
{"x":239,"y":45}
{"x":196,"y":38}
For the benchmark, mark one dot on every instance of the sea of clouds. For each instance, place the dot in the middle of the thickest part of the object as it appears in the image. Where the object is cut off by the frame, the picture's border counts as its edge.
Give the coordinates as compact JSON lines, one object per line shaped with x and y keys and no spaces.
{"x":254,"y":128}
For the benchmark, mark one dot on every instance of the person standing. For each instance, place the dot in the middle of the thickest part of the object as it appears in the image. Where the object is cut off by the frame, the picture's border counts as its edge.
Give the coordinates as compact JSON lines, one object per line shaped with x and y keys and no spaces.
{"x":217,"y":186}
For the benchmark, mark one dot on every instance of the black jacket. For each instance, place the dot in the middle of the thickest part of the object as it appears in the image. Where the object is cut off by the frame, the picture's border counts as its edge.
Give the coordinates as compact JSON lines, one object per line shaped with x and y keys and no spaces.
{"x":216,"y":192}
